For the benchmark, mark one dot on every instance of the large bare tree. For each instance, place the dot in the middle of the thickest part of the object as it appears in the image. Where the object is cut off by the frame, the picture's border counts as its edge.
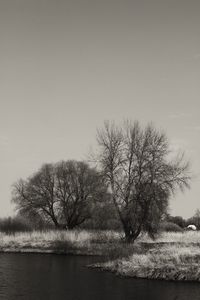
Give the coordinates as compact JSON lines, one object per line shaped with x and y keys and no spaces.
{"x":137,"y":166}
{"x":63,"y":193}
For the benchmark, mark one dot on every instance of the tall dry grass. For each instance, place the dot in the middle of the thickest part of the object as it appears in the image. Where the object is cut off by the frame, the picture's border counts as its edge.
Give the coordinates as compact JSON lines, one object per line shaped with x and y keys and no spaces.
{"x":86,"y":237}
{"x":173,"y":256}
{"x":173,"y":237}
{"x":57,"y":239}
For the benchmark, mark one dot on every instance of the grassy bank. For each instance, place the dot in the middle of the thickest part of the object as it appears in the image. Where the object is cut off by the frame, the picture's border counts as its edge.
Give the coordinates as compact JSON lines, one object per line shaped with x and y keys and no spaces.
{"x":104,"y":243}
{"x":172,"y":256}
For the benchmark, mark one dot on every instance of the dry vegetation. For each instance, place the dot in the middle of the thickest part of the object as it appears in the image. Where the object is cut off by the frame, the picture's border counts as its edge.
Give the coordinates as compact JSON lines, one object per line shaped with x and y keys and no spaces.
{"x":170,"y":262}
{"x":107,"y":243}
{"x":45,"y":238}
{"x":172,"y":256}
{"x":175,"y":237}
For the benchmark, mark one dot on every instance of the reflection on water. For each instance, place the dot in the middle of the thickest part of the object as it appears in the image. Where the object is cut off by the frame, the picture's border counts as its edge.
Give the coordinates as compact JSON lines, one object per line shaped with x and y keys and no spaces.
{"x":35,"y":277}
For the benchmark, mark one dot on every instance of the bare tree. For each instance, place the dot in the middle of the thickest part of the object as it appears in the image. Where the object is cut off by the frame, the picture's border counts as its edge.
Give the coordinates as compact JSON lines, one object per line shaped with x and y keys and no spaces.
{"x":78,"y":187}
{"x":36,"y":195}
{"x":136,"y":165}
{"x":62,"y":193}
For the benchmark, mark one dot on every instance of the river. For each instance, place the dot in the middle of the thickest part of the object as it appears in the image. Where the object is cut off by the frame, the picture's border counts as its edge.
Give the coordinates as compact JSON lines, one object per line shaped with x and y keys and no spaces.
{"x":59,"y":277}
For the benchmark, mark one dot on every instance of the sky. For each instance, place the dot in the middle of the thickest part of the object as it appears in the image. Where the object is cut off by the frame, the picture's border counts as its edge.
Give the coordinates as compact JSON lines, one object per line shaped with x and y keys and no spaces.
{"x":66,"y":66}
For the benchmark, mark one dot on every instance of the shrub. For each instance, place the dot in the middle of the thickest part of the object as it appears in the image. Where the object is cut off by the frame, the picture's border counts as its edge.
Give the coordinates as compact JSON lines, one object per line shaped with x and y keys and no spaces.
{"x":177,"y":220}
{"x":170,"y":227}
{"x":104,"y":217}
{"x":11,"y":225}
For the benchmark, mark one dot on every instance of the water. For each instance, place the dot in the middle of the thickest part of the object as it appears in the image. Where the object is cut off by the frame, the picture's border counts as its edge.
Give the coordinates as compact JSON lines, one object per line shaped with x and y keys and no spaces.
{"x":58,"y":277}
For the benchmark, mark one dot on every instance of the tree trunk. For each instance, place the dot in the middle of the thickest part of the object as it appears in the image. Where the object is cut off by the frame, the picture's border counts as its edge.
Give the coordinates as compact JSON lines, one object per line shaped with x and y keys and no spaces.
{"x":131,"y":234}
{"x":55,"y":222}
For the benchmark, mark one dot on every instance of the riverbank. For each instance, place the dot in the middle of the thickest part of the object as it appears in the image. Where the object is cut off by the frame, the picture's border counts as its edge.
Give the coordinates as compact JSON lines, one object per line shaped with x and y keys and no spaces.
{"x":169,"y":262}
{"x":173,"y":256}
{"x":96,"y":243}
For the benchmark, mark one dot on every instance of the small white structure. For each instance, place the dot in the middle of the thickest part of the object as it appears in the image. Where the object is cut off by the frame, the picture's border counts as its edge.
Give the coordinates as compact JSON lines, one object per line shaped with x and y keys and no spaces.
{"x":192,"y":227}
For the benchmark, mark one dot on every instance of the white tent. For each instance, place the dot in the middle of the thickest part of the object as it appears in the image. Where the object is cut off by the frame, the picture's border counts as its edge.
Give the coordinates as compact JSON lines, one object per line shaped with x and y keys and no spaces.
{"x":192,"y":227}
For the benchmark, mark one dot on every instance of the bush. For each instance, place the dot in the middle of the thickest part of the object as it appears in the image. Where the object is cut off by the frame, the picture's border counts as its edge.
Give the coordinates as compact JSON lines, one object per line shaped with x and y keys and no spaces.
{"x":170,"y":227}
{"x":12,"y":225}
{"x":104,"y":217}
{"x":177,"y":220}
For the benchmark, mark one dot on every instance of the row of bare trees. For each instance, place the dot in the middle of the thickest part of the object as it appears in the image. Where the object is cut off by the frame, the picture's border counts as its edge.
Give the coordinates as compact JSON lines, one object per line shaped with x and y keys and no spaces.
{"x":133,"y":166}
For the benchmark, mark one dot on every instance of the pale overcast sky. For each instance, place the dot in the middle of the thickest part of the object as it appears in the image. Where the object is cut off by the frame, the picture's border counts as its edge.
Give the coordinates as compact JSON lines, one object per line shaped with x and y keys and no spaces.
{"x":66,"y":66}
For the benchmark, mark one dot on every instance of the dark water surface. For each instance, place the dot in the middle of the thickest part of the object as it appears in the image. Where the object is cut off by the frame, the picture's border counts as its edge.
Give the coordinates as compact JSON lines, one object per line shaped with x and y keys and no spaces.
{"x":56,"y":277}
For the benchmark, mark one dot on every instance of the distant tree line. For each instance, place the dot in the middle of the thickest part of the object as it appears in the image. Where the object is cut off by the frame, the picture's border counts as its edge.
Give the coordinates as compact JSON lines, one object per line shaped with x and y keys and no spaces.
{"x":178,"y":223}
{"x":104,"y":218}
{"x":129,"y":187}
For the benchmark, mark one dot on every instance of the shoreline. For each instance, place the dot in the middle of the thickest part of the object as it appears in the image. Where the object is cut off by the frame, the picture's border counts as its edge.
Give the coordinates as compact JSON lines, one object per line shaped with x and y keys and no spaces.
{"x":174,"y":259}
